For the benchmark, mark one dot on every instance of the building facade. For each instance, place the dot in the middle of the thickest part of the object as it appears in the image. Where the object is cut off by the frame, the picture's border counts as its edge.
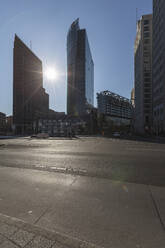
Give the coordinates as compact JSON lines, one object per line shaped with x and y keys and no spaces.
{"x":2,"y":123}
{"x":159,"y":66}
{"x":117,"y":107}
{"x":80,"y":71}
{"x":9,"y":124}
{"x":30,"y":102}
{"x":133,"y":97}
{"x":143,"y":75}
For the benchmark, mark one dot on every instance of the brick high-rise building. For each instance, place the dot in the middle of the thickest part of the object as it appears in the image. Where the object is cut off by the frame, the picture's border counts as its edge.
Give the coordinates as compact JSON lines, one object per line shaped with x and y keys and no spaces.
{"x":159,"y":66}
{"x":143,"y":75}
{"x":80,"y":88}
{"x":30,"y":102}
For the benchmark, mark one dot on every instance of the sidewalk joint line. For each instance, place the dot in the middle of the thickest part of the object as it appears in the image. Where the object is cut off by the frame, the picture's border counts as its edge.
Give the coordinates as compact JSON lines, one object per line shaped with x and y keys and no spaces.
{"x":41,"y":216}
{"x":9,"y":239}
{"x":157,"y":209}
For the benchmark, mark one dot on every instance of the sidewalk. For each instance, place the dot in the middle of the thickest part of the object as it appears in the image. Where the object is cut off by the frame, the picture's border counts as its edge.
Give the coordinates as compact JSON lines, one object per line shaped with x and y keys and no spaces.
{"x":15,"y":233}
{"x":107,"y":213}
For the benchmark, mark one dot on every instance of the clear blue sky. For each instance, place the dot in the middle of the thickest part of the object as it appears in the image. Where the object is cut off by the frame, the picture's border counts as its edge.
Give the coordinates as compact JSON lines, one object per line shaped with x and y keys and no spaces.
{"x":111,"y":28}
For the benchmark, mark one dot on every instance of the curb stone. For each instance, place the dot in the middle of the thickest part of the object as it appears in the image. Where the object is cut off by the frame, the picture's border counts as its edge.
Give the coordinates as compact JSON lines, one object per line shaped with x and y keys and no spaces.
{"x":54,"y":236}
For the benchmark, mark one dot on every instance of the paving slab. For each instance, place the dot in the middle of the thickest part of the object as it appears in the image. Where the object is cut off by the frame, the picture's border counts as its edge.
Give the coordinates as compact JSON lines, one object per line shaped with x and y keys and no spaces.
{"x":15,"y":233}
{"x":107,"y":213}
{"x":22,"y":237}
{"x":8,"y":244}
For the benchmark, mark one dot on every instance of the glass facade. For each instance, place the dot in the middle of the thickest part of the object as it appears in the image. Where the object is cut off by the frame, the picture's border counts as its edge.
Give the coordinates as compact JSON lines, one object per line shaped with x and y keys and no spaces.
{"x":89,"y":75}
{"x":71,"y":66}
{"x":80,"y":70}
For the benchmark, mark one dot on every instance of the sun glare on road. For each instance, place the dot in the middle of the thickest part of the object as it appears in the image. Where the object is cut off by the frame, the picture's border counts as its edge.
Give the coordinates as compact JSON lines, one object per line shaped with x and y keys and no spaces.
{"x":51,"y":73}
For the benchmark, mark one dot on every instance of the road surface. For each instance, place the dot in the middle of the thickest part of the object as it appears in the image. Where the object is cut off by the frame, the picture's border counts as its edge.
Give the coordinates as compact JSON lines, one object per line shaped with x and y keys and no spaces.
{"x":117,"y":204}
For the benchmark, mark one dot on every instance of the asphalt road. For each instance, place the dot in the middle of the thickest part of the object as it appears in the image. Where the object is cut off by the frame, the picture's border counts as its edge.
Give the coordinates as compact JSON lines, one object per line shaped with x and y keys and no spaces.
{"x":122,"y":160}
{"x":119,"y":205}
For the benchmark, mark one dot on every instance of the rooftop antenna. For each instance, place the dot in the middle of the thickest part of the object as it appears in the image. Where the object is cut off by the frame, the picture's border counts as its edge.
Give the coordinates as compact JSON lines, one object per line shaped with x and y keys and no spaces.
{"x":30,"y":45}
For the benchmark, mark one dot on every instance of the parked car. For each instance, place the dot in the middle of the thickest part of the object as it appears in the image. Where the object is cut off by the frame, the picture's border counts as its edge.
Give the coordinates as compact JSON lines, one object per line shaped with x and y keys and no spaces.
{"x":116,"y":134}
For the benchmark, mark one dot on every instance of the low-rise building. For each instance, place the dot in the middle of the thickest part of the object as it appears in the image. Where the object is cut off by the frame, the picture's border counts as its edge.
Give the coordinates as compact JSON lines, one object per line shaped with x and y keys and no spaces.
{"x":61,"y":126}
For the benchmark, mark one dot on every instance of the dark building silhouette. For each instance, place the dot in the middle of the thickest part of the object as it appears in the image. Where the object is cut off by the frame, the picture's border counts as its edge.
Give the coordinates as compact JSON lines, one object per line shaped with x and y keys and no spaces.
{"x":30,"y":102}
{"x":159,"y":66}
{"x":2,"y":123}
{"x":80,"y":85}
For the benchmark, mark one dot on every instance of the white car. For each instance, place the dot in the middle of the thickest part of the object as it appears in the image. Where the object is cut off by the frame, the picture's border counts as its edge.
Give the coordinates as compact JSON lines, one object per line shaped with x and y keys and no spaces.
{"x":116,"y":134}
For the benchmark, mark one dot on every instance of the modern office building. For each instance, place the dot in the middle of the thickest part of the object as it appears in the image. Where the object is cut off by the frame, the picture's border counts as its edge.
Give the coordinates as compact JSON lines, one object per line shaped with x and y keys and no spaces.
{"x":143,"y":75}
{"x":159,"y":66}
{"x":114,"y":105}
{"x":80,"y":71}
{"x":30,"y":102}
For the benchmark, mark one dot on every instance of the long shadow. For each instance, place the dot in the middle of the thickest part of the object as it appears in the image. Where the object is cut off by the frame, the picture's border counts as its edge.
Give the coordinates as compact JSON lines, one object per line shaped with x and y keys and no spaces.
{"x":158,"y":140}
{"x":12,"y":137}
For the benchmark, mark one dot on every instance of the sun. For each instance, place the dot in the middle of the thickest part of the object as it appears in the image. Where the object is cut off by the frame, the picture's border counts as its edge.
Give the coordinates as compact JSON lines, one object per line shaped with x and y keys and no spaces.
{"x":51,"y":73}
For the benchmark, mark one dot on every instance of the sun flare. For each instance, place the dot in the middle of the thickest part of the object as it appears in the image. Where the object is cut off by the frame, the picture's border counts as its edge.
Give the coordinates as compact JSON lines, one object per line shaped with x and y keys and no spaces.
{"x":51,"y":74}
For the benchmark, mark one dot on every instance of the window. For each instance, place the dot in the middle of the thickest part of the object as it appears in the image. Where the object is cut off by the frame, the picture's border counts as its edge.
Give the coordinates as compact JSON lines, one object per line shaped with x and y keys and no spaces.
{"x":147,"y":41}
{"x":147,"y":80}
{"x":146,"y":35}
{"x":147,"y":100}
{"x":147,"y":90}
{"x":146,"y":28}
{"x":147,"y":119}
{"x":147,"y":106}
{"x":146,"y":74}
{"x":146,"y":22}
{"x":146,"y":54}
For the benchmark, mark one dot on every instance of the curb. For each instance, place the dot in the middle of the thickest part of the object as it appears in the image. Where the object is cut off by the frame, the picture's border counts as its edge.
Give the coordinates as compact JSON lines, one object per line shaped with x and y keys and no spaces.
{"x":49,"y":234}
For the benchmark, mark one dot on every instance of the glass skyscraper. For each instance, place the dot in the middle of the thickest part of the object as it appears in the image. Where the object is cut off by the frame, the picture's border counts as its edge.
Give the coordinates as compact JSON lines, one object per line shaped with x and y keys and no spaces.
{"x":80,"y":78}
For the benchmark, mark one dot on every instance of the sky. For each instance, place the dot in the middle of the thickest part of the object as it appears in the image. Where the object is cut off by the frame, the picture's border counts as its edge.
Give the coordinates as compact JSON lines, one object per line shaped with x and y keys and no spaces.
{"x":111,"y":29}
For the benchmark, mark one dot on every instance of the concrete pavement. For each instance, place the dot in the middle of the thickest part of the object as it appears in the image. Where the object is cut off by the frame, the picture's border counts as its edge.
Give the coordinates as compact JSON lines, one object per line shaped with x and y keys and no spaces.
{"x":15,"y":233}
{"x":103,"y":212}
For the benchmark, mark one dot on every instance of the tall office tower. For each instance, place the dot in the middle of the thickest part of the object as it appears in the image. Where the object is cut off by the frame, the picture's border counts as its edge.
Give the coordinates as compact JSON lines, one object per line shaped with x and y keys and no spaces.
{"x":80,"y":78}
{"x":159,"y":66}
{"x":143,"y":75}
{"x":30,"y":101}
